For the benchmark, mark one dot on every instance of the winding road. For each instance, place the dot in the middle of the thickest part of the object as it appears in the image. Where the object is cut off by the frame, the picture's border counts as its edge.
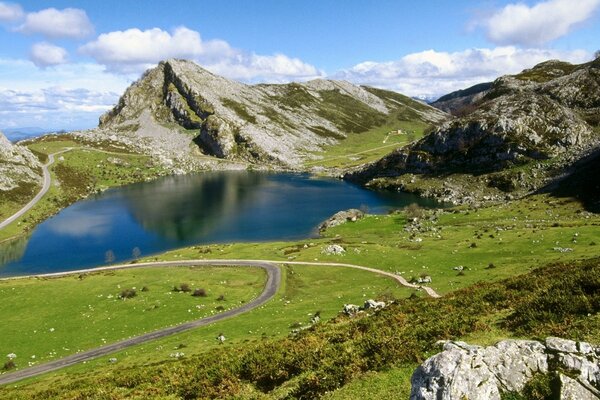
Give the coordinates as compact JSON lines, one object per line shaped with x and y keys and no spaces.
{"x":41,"y":193}
{"x":271,"y":287}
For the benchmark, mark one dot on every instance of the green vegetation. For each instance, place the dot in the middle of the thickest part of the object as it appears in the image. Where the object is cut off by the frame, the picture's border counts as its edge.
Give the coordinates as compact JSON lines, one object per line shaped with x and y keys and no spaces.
{"x":371,"y":145}
{"x":386,"y":344}
{"x":239,"y":109}
{"x":93,"y":309}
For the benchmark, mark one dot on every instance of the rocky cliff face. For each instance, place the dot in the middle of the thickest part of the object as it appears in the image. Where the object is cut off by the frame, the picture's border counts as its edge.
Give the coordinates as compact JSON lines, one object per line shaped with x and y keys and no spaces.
{"x":562,"y":369}
{"x":178,"y":102}
{"x":18,"y":166}
{"x":541,"y":120}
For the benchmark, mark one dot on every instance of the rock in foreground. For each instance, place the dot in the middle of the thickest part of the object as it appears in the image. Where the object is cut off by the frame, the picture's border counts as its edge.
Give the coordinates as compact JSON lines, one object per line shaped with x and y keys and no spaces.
{"x":463,"y":371}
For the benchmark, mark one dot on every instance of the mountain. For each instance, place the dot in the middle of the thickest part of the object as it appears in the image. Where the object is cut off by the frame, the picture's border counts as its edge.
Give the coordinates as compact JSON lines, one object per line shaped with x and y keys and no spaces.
{"x":18,"y":167}
{"x":461,"y":101}
{"x":17,"y":134}
{"x":524,"y":132}
{"x":179,"y":103}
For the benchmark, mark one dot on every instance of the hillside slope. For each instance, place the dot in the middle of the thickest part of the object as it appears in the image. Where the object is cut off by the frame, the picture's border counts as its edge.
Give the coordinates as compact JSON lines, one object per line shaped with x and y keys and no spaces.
{"x":178,"y":103}
{"x":524,"y":132}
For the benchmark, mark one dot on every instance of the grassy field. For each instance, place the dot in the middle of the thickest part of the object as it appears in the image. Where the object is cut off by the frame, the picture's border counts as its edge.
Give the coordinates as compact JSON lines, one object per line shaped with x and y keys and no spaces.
{"x":48,"y":318}
{"x":76,"y":174}
{"x":305,"y":291}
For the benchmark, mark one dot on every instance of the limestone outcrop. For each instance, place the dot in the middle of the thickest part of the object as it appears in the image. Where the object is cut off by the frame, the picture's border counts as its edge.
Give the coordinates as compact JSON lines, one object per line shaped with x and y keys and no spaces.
{"x":18,"y":166}
{"x":463,"y":371}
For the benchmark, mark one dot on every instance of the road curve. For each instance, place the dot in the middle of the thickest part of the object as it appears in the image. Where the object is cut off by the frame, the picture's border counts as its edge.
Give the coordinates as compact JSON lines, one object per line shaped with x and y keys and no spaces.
{"x":41,"y":193}
{"x":271,"y":287}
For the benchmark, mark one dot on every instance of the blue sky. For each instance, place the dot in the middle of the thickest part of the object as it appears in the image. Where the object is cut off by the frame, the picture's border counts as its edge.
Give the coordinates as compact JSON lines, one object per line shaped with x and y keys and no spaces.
{"x":63,"y":63}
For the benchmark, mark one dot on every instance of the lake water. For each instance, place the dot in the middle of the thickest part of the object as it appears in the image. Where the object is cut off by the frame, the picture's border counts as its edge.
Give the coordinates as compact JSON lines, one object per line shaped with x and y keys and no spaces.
{"x":177,"y":211}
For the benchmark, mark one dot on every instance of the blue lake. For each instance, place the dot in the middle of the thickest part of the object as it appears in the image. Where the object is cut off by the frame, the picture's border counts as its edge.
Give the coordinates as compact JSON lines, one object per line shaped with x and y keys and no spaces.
{"x":177,"y":211}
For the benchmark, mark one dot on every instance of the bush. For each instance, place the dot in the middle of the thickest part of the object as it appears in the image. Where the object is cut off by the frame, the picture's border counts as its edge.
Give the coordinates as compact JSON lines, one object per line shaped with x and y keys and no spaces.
{"x":10,"y":364}
{"x":199,"y":292}
{"x":184,"y":287}
{"x":221,"y":298}
{"x":128,"y":293}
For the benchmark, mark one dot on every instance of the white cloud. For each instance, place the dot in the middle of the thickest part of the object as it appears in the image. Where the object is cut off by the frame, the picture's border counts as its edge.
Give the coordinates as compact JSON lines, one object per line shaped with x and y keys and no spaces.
{"x":52,"y":23}
{"x":134,"y":50}
{"x":539,"y":24}
{"x":10,"y":12}
{"x":45,"y":55}
{"x":431,"y":73}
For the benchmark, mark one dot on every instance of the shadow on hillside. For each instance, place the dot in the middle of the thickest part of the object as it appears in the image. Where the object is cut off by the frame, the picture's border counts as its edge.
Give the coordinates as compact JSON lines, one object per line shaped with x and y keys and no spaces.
{"x":581,"y":183}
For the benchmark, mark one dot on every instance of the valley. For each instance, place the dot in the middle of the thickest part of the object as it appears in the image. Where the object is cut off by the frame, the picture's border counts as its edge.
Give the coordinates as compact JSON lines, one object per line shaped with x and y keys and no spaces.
{"x":507,"y":232}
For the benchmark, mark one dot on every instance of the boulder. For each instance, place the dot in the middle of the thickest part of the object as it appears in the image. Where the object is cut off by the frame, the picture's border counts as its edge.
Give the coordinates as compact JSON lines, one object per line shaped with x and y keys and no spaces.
{"x":474,"y":372}
{"x":341,"y":217}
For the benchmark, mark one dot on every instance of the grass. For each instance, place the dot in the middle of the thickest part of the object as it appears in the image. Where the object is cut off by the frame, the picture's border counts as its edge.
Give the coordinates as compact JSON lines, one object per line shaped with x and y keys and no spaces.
{"x":360,"y":148}
{"x":86,"y":310}
{"x":302,"y":295}
{"x":349,"y":358}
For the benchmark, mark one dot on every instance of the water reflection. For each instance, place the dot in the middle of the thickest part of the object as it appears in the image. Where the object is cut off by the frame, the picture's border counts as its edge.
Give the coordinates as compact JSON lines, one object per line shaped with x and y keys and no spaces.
{"x":13,"y":250}
{"x":186,"y":207}
{"x":180,"y":211}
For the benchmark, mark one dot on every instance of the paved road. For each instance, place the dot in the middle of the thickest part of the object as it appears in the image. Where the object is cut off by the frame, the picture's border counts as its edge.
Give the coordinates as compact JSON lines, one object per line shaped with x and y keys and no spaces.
{"x":38,"y":197}
{"x":271,"y":288}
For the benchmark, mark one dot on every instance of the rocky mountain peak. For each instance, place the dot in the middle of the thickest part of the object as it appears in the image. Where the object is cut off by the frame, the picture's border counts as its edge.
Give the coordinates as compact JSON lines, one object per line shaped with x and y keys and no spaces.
{"x":180,"y":102}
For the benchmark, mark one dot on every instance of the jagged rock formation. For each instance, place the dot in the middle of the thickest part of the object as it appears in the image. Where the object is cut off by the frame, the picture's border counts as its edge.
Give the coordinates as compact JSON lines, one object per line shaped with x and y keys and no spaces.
{"x":462,"y":101}
{"x":543,"y":119}
{"x":18,"y":166}
{"x":178,"y":102}
{"x":570,"y":370}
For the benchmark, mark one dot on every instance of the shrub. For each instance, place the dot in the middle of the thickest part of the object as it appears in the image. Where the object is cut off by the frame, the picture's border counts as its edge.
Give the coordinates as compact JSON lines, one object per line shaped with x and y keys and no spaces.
{"x":199,"y":292}
{"x":219,"y":308}
{"x":221,"y":298}
{"x":128,"y":293}
{"x":184,"y":287}
{"x":414,"y":211}
{"x":10,"y":364}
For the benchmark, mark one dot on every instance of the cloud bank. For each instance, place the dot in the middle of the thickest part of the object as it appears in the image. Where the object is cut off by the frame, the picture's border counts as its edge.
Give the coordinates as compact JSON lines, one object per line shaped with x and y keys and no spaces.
{"x":134,"y":50}
{"x":430,"y":74}
{"x":520,"y":24}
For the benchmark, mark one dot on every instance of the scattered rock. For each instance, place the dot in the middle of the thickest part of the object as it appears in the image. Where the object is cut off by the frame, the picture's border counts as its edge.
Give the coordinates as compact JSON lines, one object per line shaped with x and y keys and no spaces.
{"x":334,"y":249}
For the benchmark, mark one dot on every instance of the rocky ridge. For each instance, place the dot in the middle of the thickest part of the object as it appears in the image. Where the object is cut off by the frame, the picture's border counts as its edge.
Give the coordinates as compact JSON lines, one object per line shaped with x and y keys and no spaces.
{"x":523,"y":132}
{"x":178,"y":109}
{"x":18,"y":166}
{"x":569,"y":369}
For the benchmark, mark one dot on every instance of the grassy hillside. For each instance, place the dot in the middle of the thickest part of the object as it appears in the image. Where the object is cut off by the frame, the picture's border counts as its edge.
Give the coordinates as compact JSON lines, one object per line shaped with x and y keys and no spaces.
{"x":374,"y":352}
